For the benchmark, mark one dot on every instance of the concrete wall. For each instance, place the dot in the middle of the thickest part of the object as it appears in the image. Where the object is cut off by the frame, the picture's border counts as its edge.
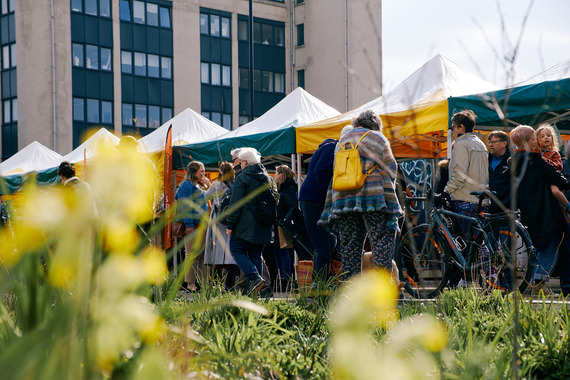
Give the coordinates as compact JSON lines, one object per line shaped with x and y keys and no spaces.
{"x":343,"y":83}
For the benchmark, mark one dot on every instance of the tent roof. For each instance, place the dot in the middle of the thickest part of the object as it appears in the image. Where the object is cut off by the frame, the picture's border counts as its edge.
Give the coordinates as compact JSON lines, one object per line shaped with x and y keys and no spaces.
{"x":542,"y":98}
{"x":34,"y":156}
{"x":90,"y":146}
{"x":272,"y":133}
{"x":402,"y":108}
{"x":555,"y":73}
{"x":188,"y":127}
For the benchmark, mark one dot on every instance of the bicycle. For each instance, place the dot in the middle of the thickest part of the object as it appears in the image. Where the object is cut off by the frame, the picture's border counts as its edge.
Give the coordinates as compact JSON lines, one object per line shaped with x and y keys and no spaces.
{"x":431,"y":255}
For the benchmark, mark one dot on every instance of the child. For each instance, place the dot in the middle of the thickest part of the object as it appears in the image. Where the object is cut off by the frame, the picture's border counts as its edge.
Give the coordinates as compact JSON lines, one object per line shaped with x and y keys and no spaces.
{"x":547,"y":143}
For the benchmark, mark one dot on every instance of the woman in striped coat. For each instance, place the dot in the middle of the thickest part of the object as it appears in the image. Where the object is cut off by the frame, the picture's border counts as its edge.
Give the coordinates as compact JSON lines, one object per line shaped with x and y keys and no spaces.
{"x":373,"y":209}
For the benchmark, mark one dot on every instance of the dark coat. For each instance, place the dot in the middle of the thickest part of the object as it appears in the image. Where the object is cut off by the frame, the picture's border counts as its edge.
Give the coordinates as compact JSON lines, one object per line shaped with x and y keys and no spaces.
{"x":243,"y":223}
{"x":287,"y":198}
{"x":500,"y":182}
{"x":319,"y":175}
{"x":540,"y":212}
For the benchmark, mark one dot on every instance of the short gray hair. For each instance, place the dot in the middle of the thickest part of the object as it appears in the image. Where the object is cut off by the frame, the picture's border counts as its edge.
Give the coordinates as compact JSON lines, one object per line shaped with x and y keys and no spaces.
{"x":369,"y":120}
{"x":235,"y":152}
{"x":251,"y":155}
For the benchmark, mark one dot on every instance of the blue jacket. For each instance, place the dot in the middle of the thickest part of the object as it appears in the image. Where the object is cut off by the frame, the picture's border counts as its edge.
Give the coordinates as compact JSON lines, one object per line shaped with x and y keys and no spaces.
{"x":190,"y":213}
{"x":316,"y":183}
{"x":500,"y":182}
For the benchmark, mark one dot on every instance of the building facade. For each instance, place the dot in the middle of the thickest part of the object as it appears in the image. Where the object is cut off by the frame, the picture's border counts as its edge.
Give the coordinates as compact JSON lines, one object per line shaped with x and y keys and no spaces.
{"x":68,"y":66}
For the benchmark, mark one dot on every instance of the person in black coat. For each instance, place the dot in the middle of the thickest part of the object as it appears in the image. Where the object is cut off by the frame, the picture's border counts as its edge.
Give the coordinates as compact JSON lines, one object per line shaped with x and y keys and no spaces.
{"x":540,"y":212}
{"x":285,"y":178}
{"x":499,"y":171}
{"x":312,"y":200}
{"x":247,"y":234}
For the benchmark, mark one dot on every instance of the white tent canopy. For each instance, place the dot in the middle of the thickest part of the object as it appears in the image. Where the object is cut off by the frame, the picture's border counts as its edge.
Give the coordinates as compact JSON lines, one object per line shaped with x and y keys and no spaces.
{"x":34,"y":157}
{"x":555,"y":73}
{"x":297,"y":108}
{"x":89,"y":147}
{"x":271,"y":134}
{"x":188,"y":127}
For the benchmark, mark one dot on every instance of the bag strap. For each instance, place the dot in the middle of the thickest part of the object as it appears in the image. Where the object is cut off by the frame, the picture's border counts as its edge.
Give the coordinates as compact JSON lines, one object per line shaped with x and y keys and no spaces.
{"x":359,"y":140}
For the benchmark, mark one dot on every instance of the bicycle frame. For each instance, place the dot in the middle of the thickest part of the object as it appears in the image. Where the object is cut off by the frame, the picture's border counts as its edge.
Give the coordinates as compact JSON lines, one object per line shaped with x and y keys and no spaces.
{"x":457,"y":258}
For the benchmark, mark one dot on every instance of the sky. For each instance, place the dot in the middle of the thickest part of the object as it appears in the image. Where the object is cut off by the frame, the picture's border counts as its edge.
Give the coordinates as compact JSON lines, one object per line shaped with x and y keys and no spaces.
{"x":478,"y":35}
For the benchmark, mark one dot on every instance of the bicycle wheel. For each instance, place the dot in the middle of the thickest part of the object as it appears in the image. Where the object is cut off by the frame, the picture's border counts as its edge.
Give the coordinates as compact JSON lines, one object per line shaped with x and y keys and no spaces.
{"x":498,"y":255}
{"x":424,"y":273}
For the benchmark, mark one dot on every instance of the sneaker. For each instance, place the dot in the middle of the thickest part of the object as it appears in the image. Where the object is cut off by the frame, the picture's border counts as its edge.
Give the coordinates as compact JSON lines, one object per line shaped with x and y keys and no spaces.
{"x":255,"y":285}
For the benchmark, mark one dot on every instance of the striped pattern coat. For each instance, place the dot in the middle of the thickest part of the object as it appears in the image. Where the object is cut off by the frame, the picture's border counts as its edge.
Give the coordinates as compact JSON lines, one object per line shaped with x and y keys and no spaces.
{"x":379,"y":190}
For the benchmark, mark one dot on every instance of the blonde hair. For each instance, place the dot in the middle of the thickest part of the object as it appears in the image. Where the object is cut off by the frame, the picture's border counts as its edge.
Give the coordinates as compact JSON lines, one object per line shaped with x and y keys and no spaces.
{"x":521,"y":135}
{"x":547,"y":127}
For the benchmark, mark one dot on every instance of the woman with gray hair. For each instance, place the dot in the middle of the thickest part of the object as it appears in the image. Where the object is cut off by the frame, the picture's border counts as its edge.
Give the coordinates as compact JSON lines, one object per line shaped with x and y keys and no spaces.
{"x":371,"y":210}
{"x":247,"y":234}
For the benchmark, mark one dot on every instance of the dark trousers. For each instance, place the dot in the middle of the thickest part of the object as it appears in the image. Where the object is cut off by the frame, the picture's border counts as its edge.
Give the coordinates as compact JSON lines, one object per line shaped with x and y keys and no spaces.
{"x":247,"y":256}
{"x":322,"y":240}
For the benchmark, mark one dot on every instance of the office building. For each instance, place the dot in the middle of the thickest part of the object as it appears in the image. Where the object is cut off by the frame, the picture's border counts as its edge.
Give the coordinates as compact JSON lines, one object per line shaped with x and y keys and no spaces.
{"x":129,"y":65}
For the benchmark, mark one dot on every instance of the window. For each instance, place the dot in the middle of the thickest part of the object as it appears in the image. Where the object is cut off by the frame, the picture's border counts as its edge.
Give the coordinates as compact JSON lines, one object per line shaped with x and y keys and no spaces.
{"x":138,"y":12}
{"x":76,"y":5}
{"x":6,"y":57}
{"x":140,"y":64}
{"x":267,"y":81}
{"x":206,"y":114}
{"x":127,"y":114}
{"x":214,"y":25}
{"x":226,"y":76}
{"x":77,"y":55}
{"x":266,"y":34}
{"x":279,"y":82}
{"x":91,"y":57}
{"x":217,"y":118}
{"x":153,"y":66}
{"x":152,"y":14}
{"x":279,"y":36}
{"x":153,"y":117}
{"x":243,"y":119}
{"x":104,"y":8}
{"x":301,"y":78}
{"x":140,"y":115}
{"x":125,"y":10}
{"x":7,"y":109}
{"x":78,"y":109}
{"x":166,"y":114}
{"x":105,"y":59}
{"x":243,"y":78}
{"x":300,"y":1}
{"x":227,"y":121}
{"x":92,"y":111}
{"x":205,"y":73}
{"x":13,"y":56}
{"x":242,"y":30}
{"x":164,"y":17}
{"x":91,"y":7}
{"x":14,"y":109}
{"x":256,"y":80}
{"x":166,"y":67}
{"x":256,"y":33}
{"x":300,"y":34}
{"x":106,"y":112}
{"x":225,"y":27}
{"x":126,"y":62}
{"x":204,"y":24}
{"x":215,"y":74}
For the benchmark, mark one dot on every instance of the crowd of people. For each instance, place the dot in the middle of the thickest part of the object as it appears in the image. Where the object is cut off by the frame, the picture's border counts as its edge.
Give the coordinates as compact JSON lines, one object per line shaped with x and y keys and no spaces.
{"x":345,"y":220}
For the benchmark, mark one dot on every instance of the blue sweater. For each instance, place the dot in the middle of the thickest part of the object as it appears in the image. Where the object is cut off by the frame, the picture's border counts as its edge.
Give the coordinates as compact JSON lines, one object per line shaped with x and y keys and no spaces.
{"x":316,"y":183}
{"x":190,"y":212}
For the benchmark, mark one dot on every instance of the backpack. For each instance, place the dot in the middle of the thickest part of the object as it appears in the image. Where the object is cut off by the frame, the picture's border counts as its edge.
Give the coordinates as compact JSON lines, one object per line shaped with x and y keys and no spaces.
{"x":347,"y":173}
{"x":265,"y":209}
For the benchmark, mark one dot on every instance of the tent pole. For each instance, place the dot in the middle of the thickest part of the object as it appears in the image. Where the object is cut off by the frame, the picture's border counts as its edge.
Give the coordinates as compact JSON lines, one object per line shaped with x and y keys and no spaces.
{"x":449,"y":141}
{"x":299,"y":156}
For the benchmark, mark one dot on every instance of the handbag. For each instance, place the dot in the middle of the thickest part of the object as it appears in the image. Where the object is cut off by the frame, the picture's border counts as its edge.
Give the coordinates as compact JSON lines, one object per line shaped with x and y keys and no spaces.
{"x":178,"y":230}
{"x":285,"y":239}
